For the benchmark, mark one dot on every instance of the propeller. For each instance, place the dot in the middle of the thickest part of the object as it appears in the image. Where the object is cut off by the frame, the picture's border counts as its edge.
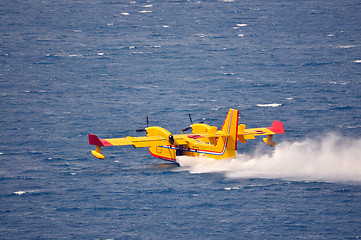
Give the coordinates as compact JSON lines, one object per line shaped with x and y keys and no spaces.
{"x":144,"y":129}
{"x":190,"y":127}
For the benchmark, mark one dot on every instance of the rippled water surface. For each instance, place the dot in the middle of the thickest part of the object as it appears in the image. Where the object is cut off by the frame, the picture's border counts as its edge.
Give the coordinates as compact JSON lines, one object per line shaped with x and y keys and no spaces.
{"x":69,"y":68}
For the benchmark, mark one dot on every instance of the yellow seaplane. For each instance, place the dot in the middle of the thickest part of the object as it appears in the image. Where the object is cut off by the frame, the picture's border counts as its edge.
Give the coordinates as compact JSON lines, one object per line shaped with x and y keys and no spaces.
{"x":205,"y":140}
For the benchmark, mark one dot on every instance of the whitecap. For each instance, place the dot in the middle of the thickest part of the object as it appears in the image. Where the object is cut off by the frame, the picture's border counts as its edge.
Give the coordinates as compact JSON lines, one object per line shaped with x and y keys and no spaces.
{"x":269,"y":105}
{"x":347,"y":46}
{"x":357,"y":61}
{"x":241,"y":24}
{"x":74,"y":55}
{"x":144,"y":11}
{"x":125,"y":13}
{"x":19,"y":192}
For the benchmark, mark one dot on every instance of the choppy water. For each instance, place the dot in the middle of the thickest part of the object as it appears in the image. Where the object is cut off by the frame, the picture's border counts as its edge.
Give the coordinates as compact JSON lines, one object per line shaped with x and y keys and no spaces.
{"x":69,"y":68}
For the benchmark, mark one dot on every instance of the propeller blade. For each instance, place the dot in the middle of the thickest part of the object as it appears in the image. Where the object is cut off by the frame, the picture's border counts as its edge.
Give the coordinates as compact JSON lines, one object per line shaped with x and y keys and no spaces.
{"x":186,"y":129}
{"x":190,"y":127}
{"x":144,"y":129}
{"x":190,"y":118}
{"x":140,"y":130}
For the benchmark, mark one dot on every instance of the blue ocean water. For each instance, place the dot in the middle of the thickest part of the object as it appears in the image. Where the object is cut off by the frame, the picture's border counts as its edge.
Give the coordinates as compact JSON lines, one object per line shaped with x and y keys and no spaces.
{"x":69,"y":68}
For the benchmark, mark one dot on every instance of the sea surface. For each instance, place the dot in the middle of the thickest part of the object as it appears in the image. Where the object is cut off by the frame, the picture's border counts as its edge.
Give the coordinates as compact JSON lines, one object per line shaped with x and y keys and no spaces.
{"x":69,"y":68}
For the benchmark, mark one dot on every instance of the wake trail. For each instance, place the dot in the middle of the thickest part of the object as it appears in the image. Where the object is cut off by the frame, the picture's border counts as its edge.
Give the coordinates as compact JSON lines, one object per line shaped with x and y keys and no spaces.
{"x":331,"y":158}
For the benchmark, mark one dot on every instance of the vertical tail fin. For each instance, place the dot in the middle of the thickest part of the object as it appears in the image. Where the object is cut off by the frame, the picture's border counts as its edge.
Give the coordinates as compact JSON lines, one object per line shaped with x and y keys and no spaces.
{"x":228,"y":134}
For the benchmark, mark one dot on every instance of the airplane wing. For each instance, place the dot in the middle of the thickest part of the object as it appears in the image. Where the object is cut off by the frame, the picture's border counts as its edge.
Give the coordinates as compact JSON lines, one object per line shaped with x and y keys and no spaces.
{"x":148,"y":141}
{"x":134,"y":141}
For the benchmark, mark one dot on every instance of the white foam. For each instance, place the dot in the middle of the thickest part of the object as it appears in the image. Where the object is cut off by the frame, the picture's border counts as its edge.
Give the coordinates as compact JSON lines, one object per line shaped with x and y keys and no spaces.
{"x":332,"y":158}
{"x":269,"y":105}
{"x":19,"y":192}
{"x":357,"y":61}
{"x":347,"y":46}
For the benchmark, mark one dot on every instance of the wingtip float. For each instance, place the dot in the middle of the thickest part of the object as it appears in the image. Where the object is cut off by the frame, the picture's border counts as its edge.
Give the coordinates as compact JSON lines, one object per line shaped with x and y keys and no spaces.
{"x":205,"y":140}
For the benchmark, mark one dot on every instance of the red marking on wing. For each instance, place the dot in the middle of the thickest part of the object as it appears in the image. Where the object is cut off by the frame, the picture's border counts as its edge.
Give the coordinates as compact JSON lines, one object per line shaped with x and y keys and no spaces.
{"x":260,"y":132}
{"x":195,"y":136}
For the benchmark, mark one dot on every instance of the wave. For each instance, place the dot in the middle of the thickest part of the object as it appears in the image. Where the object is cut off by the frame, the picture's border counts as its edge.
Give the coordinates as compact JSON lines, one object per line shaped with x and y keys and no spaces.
{"x":332,"y":158}
{"x":269,"y":105}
